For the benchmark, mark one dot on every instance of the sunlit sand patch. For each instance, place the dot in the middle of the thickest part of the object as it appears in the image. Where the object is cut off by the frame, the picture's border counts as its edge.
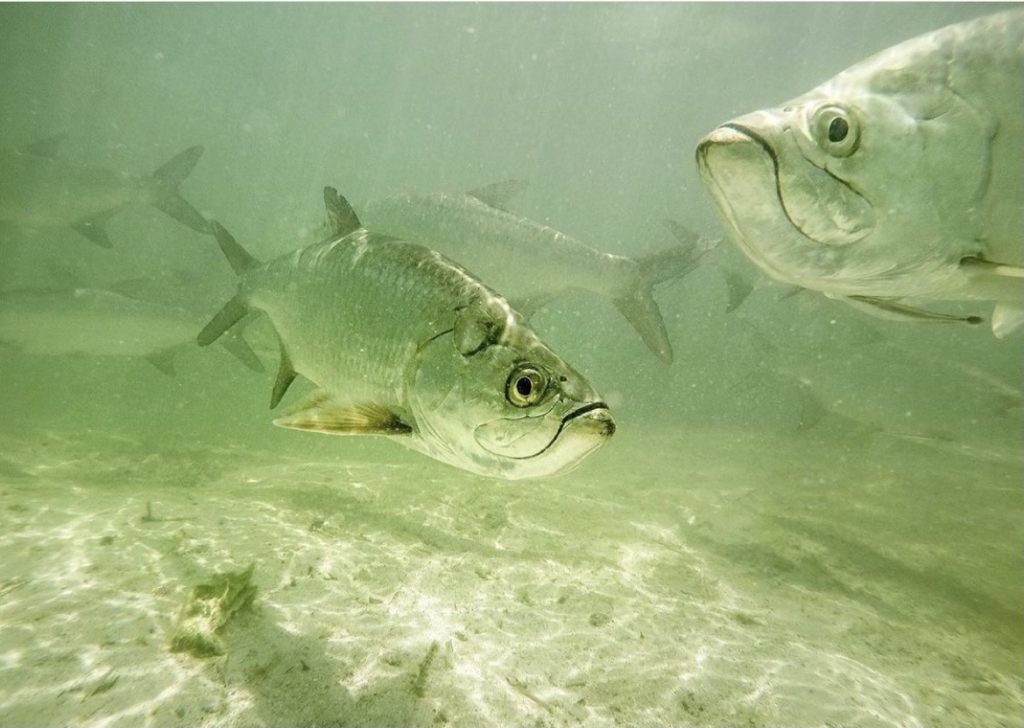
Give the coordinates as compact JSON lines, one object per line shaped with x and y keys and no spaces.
{"x":389,"y":597}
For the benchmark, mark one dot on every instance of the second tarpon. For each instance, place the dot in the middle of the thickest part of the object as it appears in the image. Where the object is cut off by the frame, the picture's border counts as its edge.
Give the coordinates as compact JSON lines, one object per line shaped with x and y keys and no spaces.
{"x":531,"y":263}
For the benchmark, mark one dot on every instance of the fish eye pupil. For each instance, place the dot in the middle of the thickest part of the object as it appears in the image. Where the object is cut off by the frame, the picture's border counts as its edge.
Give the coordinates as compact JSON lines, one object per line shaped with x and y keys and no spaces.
{"x":525,"y":386}
{"x":838,"y":128}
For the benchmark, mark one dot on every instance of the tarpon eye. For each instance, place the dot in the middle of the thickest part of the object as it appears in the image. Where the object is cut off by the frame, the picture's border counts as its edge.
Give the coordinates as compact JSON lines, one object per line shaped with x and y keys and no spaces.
{"x":525,"y":386}
{"x":835,"y":130}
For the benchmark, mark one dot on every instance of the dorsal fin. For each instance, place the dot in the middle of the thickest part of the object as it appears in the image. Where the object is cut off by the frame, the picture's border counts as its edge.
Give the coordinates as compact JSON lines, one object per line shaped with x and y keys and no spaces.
{"x":341,"y":218}
{"x":498,"y":194}
{"x":237,"y":256}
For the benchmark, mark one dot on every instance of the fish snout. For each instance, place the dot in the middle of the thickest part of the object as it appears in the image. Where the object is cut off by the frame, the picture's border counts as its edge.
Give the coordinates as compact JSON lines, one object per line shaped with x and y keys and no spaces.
{"x":592,"y":419}
{"x":722,"y":135}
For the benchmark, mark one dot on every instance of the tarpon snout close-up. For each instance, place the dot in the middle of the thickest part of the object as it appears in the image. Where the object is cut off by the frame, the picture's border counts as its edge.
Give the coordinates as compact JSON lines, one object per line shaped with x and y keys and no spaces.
{"x":900,"y":178}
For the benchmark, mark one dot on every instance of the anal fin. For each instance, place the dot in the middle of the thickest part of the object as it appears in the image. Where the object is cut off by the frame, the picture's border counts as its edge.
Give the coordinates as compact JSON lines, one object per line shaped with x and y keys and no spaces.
{"x":320,"y":413}
{"x":285,"y":376}
{"x":239,"y":348}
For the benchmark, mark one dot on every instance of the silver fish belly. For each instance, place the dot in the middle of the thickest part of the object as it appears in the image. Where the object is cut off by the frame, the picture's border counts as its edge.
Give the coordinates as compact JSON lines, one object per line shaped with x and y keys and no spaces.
{"x":404,"y":343}
{"x":531,"y":263}
{"x":900,"y":178}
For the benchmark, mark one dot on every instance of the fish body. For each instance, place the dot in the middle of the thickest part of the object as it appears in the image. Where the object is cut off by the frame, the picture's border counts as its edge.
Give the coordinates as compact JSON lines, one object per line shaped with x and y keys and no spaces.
{"x":531,"y":263}
{"x":899,"y":178}
{"x":93,"y":322}
{"x":404,"y":343}
{"x":98,"y":322}
{"x":40,"y":190}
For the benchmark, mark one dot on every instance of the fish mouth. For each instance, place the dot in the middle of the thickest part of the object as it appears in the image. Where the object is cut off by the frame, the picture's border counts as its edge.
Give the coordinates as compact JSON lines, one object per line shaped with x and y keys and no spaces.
{"x":740,"y":171}
{"x":596,"y":417}
{"x":736,"y":158}
{"x":730,"y":134}
{"x":591,"y":419}
{"x":569,"y":438}
{"x":589,"y":427}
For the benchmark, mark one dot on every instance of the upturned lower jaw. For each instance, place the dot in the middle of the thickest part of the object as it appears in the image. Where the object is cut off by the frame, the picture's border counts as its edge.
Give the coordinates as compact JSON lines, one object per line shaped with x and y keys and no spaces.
{"x":595,"y":415}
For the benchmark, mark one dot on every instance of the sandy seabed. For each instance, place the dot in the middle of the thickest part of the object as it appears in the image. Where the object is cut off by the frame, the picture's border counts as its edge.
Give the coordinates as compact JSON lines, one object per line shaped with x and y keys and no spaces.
{"x":710,"y":578}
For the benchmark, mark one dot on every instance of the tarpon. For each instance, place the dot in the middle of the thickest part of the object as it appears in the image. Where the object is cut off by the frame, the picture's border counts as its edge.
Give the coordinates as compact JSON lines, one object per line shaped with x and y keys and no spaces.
{"x":100,"y":322}
{"x":531,"y":263}
{"x":900,"y":178}
{"x":39,"y":189}
{"x":405,"y":343}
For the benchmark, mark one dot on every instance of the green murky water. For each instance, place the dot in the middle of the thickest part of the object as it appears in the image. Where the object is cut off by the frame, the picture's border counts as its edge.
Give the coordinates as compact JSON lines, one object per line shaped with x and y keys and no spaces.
{"x":811,"y":517}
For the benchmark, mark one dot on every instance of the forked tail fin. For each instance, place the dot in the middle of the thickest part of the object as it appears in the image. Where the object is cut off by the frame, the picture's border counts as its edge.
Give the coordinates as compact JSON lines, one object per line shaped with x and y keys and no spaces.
{"x":165,"y":196}
{"x":639,"y":307}
{"x":236,"y":309}
{"x":238,"y":257}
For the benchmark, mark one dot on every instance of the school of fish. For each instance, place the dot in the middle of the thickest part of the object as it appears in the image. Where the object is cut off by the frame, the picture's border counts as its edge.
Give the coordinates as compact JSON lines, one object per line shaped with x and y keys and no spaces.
{"x":897,"y":183}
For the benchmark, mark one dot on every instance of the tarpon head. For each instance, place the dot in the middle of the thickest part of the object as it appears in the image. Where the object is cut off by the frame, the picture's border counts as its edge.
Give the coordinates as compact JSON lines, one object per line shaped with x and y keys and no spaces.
{"x":489,"y":396}
{"x":867,"y":185}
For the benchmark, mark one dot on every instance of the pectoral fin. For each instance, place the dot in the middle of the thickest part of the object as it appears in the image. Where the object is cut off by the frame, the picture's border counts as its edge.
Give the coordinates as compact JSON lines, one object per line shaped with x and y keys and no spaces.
{"x":1001,"y":283}
{"x":320,"y":413}
{"x":1006,"y":318}
{"x":893,"y":310}
{"x":739,"y":287}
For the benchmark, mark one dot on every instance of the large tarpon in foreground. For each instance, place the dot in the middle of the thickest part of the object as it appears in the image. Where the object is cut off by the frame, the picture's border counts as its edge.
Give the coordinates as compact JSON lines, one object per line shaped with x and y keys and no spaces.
{"x":39,"y":189}
{"x":405,"y":343}
{"x":900,"y":178}
{"x":531,"y":263}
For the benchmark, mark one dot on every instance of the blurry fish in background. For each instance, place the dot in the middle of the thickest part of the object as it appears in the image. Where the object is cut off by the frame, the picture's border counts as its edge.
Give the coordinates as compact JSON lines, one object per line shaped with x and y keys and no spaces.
{"x":833,"y":393}
{"x":40,"y":190}
{"x":900,"y":178}
{"x":531,"y":263}
{"x":100,"y":322}
{"x":404,"y":343}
